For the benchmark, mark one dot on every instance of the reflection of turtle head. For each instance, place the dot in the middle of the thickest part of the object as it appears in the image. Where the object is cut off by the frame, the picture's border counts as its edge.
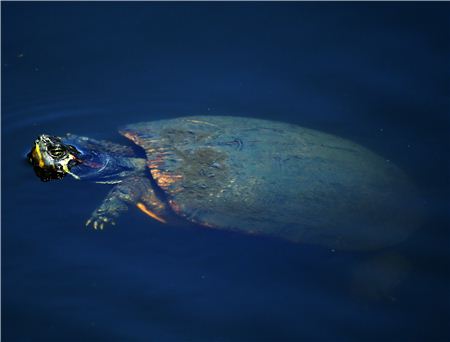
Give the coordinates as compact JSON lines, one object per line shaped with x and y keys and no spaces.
{"x":51,"y":158}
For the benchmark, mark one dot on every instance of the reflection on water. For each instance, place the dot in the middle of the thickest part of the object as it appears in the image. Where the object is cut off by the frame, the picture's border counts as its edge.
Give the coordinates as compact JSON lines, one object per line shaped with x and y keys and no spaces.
{"x":90,"y":68}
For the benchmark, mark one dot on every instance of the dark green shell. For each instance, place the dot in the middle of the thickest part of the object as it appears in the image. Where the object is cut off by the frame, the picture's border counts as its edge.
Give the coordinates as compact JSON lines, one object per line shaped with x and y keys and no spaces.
{"x":271,"y":178}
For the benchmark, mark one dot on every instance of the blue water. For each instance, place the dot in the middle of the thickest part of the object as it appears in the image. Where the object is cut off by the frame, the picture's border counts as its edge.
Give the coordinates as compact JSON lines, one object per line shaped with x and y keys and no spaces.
{"x":375,"y":73}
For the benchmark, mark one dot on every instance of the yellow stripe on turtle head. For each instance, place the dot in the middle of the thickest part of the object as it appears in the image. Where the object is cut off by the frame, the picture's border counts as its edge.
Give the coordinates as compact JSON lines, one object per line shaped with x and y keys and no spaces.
{"x":39,"y":155}
{"x":66,"y":168}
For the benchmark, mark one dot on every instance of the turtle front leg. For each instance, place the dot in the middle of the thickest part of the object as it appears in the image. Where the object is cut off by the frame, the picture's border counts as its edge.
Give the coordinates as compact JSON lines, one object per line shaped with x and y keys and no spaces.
{"x":126,"y":193}
{"x":115,"y":203}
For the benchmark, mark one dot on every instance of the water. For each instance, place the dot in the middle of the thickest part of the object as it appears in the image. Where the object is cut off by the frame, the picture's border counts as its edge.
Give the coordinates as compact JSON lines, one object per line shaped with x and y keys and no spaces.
{"x":377,"y":74}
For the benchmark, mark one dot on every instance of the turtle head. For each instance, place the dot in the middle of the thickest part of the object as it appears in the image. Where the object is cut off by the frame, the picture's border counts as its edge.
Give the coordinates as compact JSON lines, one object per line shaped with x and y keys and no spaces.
{"x":51,"y":158}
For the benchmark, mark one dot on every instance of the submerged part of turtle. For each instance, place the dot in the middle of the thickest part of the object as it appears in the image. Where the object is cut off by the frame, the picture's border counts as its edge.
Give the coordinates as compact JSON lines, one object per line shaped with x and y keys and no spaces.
{"x":241,"y":174}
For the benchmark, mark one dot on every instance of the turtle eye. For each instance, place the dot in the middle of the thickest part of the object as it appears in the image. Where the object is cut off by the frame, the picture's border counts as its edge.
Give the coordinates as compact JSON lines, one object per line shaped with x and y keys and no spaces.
{"x":57,"y":151}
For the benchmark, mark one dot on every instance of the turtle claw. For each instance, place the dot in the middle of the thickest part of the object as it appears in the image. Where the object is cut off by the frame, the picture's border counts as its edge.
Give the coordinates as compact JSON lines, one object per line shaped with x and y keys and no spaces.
{"x":99,"y":222}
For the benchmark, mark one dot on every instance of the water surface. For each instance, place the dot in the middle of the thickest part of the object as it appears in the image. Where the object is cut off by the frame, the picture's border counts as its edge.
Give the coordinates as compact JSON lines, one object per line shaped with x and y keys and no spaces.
{"x":377,"y":74}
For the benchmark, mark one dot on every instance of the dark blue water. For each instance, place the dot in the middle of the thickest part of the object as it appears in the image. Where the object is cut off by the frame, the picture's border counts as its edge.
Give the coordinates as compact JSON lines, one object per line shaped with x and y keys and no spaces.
{"x":375,"y":73}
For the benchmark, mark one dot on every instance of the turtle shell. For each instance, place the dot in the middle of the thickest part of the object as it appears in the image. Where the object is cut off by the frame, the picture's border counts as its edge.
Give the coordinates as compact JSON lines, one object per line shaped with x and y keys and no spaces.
{"x":271,"y":178}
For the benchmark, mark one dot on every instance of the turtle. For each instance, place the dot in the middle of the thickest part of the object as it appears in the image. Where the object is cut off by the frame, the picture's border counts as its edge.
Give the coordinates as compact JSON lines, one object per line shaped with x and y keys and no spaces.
{"x":242,"y":174}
